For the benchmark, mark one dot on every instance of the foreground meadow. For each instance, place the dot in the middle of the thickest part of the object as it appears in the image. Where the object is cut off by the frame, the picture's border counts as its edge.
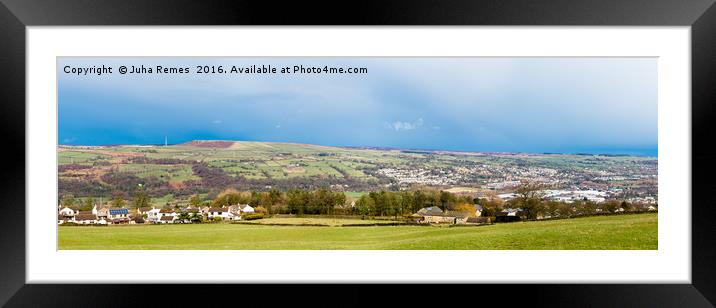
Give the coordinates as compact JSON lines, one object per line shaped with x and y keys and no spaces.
{"x":634,"y":231}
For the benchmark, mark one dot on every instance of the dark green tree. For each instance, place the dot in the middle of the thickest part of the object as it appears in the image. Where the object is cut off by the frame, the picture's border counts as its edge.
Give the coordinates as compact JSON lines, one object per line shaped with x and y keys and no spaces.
{"x":118,"y":201}
{"x":195,"y":201}
{"x":87,"y":204}
{"x":68,"y":201}
{"x":141,"y":199}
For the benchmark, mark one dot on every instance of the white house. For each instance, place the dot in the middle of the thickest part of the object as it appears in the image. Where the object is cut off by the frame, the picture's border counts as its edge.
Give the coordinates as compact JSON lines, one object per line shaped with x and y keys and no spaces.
{"x":238,"y":209}
{"x":102,"y":212}
{"x":235,"y":209}
{"x":68,"y":212}
{"x":224,"y":213}
{"x":245,"y":208}
{"x":153,"y":215}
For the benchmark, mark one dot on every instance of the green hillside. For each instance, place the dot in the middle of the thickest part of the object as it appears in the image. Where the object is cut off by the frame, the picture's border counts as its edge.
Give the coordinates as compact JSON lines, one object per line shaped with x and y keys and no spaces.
{"x":200,"y":167}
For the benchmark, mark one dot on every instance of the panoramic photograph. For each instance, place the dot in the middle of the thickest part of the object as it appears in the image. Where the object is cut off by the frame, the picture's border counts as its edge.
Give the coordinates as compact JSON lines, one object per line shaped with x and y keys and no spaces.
{"x":357,"y":153}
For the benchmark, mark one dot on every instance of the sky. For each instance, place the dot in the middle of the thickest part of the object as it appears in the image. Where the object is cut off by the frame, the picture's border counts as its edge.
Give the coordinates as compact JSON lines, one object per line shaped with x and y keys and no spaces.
{"x":538,"y":105}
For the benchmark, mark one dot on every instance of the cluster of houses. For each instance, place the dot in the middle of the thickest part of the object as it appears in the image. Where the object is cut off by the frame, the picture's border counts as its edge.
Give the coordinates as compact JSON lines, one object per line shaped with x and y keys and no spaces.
{"x":567,"y":196}
{"x":593,"y":195}
{"x":101,"y":215}
{"x":106,"y":215}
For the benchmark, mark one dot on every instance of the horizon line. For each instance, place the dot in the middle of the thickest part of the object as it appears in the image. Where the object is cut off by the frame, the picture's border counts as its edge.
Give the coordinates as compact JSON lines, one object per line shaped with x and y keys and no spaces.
{"x":369,"y":147}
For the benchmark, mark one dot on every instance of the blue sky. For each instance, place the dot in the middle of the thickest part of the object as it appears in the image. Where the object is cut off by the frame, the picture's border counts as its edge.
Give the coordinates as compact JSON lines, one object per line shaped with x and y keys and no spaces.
{"x":558,"y":105}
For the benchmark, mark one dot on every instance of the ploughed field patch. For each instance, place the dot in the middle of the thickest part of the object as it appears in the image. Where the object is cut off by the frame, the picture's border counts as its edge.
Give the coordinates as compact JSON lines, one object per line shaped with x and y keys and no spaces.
{"x":209,"y":144}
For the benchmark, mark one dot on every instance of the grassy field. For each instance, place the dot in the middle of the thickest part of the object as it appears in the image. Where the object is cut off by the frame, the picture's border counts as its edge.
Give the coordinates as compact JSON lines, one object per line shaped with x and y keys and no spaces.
{"x":603,"y":232}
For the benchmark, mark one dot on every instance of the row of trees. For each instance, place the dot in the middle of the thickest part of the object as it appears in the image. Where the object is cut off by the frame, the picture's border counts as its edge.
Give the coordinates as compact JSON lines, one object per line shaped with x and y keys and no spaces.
{"x":294,"y":201}
{"x":388,"y":203}
{"x":323,"y":201}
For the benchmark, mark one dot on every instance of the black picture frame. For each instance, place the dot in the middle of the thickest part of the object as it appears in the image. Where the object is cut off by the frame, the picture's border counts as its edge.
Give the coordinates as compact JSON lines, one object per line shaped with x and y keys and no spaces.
{"x":16,"y":15}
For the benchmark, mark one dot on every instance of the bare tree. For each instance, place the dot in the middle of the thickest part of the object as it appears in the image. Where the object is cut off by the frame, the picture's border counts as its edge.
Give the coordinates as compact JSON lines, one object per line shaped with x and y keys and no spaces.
{"x":530,"y":198}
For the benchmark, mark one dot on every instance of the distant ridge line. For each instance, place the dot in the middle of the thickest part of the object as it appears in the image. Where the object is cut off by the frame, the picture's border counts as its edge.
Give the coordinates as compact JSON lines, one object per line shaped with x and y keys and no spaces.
{"x":228,"y":143}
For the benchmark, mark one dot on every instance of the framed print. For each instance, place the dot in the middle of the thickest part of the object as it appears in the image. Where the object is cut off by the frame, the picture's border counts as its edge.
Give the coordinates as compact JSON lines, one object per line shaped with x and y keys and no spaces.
{"x":236,"y":144}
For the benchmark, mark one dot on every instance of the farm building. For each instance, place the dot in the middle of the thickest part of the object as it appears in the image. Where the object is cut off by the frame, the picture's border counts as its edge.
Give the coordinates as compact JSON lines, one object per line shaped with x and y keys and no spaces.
{"x":434,"y":214}
{"x":457,"y":218}
{"x":432,"y":210}
{"x":509,"y":215}
{"x":478,"y":220}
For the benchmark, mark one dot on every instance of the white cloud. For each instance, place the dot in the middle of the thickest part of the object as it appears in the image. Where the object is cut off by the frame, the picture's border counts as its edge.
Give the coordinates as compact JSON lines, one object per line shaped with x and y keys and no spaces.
{"x":218,"y":121}
{"x":400,"y":125}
